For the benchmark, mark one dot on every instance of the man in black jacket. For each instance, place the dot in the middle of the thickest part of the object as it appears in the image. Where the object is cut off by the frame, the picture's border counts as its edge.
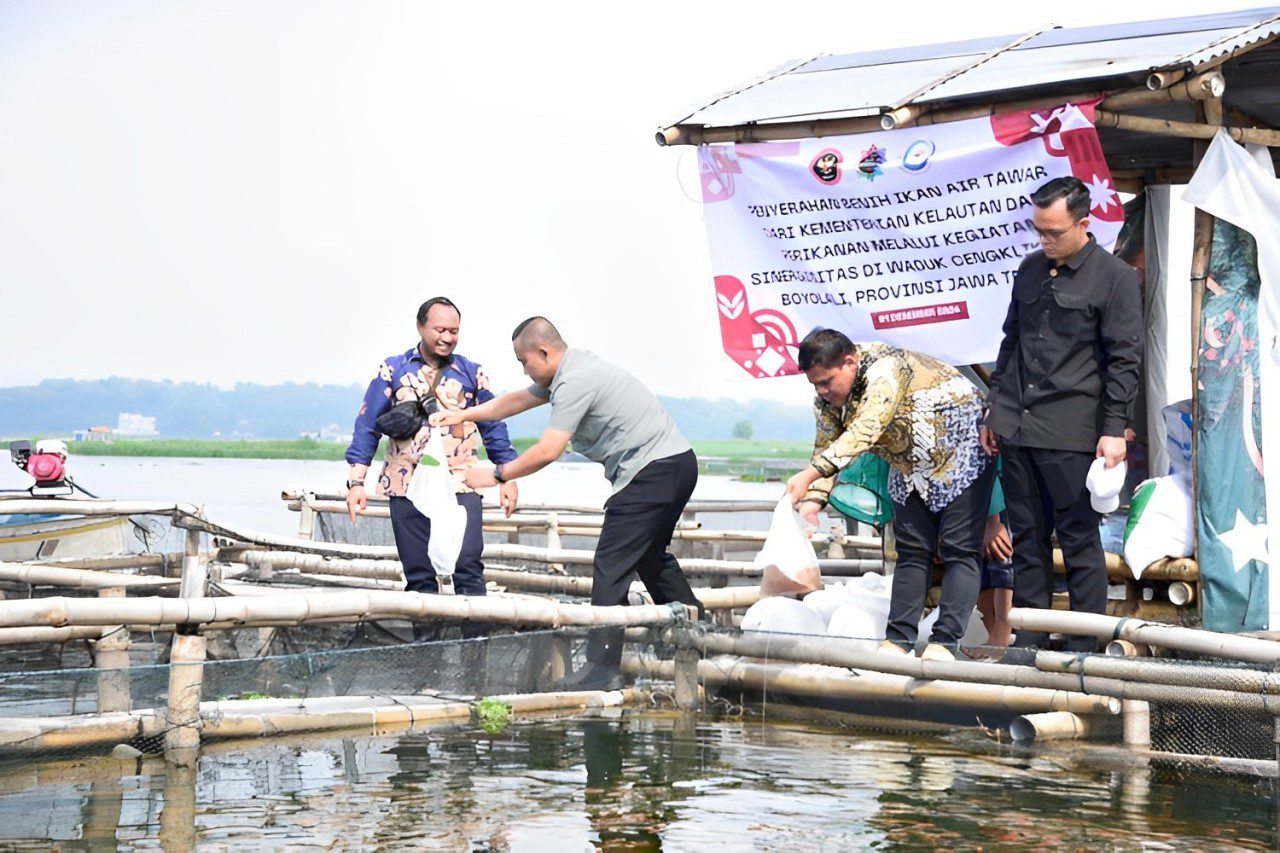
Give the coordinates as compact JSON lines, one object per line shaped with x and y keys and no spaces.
{"x":1062,"y":395}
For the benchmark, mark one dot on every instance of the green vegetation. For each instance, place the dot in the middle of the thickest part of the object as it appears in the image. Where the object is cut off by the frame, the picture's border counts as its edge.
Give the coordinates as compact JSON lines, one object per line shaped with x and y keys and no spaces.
{"x":744,"y":429}
{"x":201,"y":448}
{"x":494,"y":714}
{"x":733,"y":449}
{"x":736,"y":449}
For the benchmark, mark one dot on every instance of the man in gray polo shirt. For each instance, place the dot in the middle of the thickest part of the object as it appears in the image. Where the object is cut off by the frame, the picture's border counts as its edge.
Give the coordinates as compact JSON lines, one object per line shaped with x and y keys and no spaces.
{"x":614,"y":420}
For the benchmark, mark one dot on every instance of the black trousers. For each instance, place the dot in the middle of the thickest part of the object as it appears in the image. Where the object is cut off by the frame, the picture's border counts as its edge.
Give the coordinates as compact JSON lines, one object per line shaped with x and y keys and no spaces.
{"x":412,"y":531}
{"x":955,"y":534}
{"x":1045,"y":491}
{"x":638,"y":523}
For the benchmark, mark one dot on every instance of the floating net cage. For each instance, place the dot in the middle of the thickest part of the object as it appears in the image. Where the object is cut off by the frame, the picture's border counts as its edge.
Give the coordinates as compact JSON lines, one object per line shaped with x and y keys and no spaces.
{"x":277,"y":672}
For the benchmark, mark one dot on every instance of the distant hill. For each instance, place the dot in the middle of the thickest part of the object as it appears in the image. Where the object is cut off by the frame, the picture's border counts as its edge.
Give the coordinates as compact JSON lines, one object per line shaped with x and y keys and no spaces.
{"x":192,"y":410}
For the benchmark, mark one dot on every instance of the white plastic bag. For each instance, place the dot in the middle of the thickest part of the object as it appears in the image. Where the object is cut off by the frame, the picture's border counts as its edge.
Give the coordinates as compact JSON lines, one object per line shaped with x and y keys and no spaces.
{"x":783,"y":616}
{"x":1161,"y":523}
{"x":432,"y":493}
{"x":788,"y":559}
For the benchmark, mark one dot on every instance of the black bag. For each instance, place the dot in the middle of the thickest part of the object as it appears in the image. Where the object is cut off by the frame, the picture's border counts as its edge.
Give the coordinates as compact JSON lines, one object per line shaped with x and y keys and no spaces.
{"x":403,"y":420}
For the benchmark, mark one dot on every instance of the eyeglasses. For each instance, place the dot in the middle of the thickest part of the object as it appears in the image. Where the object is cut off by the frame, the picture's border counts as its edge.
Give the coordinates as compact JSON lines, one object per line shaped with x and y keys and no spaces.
{"x":1055,"y":233}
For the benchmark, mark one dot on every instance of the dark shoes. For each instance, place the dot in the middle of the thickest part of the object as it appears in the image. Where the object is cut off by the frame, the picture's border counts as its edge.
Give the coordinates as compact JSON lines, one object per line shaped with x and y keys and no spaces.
{"x":592,"y":676}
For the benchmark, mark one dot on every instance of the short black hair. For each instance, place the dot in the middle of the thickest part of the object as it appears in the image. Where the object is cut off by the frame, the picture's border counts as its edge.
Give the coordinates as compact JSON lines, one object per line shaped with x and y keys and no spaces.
{"x":425,"y":308}
{"x":824,"y":348}
{"x":540,"y":331}
{"x":1070,"y":188}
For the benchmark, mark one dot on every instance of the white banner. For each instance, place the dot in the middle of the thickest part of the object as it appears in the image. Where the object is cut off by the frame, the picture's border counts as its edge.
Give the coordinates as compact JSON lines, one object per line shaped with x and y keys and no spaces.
{"x":909,"y":236}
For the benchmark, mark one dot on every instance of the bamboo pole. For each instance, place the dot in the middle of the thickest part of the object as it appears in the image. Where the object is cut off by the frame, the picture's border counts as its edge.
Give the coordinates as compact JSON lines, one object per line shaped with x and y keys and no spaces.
{"x":294,"y":497}
{"x":1126,"y":649}
{"x":1210,"y":643}
{"x":35,"y":636}
{"x":300,"y":606}
{"x":194,"y":570}
{"x":687,"y":134}
{"x":591,"y":526}
{"x":1050,"y":725}
{"x":1165,"y":78}
{"x":260,"y":717}
{"x":390,"y":569}
{"x":1184,"y":129}
{"x":1167,"y":569}
{"x":39,"y":575}
{"x":123,"y":561}
{"x":685,"y":675}
{"x":869,"y":685}
{"x":307,"y":517}
{"x":553,"y":539}
{"x":715,"y":598}
{"x":111,"y":658}
{"x":1182,"y":594}
{"x":68,"y":506}
{"x":902,"y":116}
{"x":182,"y":715}
{"x":1155,"y":671}
{"x":841,"y":652}
{"x":1211,"y":84}
{"x":695,"y":135}
{"x":1201,"y":255}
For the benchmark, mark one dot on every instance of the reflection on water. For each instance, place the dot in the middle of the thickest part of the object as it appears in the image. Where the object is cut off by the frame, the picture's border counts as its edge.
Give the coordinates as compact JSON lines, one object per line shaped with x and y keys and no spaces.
{"x":642,"y":781}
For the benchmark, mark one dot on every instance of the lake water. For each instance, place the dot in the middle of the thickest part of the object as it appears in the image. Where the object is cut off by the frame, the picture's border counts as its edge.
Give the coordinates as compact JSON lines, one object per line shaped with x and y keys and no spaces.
{"x":245,"y":493}
{"x":627,"y":780}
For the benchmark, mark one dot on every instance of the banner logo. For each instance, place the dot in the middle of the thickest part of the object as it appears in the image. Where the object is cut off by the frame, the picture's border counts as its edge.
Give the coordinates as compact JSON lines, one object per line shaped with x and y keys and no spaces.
{"x":826,"y":166}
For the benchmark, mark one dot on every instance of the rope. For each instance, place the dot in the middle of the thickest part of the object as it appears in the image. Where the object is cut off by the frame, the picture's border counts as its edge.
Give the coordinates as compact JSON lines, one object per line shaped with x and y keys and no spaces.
{"x":1080,"y":658}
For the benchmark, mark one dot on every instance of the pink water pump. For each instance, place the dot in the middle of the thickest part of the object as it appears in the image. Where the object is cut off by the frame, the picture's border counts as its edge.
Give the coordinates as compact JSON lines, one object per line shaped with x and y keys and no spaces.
{"x":46,"y":463}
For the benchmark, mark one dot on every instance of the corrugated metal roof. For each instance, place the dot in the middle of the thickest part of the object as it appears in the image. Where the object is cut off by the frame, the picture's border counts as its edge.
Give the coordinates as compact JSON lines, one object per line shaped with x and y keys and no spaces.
{"x":866,"y":83}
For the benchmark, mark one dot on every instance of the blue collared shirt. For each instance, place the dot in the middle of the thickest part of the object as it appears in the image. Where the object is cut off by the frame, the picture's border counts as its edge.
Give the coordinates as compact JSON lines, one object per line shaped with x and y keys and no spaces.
{"x":402,"y":377}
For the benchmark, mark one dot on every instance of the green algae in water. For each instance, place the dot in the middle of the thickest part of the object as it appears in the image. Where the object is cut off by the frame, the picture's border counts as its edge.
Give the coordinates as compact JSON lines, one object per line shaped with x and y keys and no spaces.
{"x":495,"y":715}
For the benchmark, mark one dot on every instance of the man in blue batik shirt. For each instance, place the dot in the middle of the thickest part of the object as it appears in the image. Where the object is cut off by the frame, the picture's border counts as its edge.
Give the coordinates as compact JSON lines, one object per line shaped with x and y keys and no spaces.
{"x":462,"y":385}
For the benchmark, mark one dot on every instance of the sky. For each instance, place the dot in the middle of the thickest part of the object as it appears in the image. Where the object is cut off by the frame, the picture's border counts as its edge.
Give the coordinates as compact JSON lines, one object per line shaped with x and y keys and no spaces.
{"x":265,"y":191}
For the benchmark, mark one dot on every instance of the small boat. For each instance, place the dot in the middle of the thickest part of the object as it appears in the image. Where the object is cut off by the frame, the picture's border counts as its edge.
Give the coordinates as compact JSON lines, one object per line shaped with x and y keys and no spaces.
{"x":33,"y":537}
{"x":27,"y":536}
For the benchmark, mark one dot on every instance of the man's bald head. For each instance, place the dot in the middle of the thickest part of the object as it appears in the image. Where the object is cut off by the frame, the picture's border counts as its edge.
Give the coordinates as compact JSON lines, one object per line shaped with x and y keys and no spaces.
{"x":537,"y":332}
{"x":539,"y":349}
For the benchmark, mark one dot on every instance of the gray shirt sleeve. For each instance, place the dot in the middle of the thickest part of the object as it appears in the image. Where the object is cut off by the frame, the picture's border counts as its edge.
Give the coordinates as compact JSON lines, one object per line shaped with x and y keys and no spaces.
{"x":540,"y":392}
{"x":573,"y":399}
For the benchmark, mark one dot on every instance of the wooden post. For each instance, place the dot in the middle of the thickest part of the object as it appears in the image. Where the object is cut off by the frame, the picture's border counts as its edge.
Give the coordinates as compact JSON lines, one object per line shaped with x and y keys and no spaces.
{"x":186,"y":667}
{"x":1201,"y":255}
{"x":182,"y":720}
{"x":1137,"y":722}
{"x":307,"y":517}
{"x":111,"y":655}
{"x":686,"y":678}
{"x":193,"y":569}
{"x":553,"y":540}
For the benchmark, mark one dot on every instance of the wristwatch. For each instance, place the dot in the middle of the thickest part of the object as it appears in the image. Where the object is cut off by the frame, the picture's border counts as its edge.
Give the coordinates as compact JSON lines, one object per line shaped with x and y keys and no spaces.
{"x":497,"y":473}
{"x":351,"y":484}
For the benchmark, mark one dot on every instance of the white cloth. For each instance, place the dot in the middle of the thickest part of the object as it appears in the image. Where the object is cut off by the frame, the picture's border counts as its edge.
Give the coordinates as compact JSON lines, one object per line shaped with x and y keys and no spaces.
{"x":1104,"y":485}
{"x":1235,"y":186}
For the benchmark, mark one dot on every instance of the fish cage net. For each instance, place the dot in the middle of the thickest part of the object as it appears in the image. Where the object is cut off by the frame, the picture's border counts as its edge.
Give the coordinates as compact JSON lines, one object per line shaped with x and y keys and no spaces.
{"x":1245,"y":728}
{"x":368,"y":530}
{"x":389,"y":663}
{"x":414,"y":663}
